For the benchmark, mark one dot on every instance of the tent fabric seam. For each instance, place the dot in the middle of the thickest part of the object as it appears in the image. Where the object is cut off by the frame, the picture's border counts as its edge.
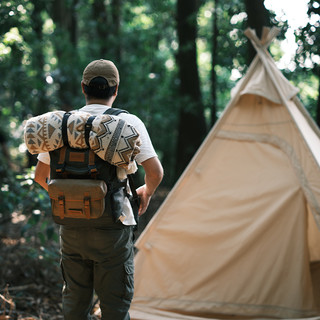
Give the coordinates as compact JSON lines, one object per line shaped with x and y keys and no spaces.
{"x":289,"y":311}
{"x":287,"y":149}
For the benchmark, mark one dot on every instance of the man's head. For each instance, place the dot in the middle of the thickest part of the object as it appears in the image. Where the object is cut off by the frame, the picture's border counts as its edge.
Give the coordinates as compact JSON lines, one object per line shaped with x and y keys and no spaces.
{"x":100,"y":80}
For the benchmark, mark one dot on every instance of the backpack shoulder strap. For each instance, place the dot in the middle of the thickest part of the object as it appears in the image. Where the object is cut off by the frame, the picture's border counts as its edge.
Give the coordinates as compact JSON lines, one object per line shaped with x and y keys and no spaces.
{"x":64,"y":128}
{"x":135,"y":197}
{"x":115,"y":111}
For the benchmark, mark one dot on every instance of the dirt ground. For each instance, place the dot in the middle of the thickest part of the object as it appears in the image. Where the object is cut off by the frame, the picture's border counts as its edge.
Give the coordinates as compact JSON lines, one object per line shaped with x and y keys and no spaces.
{"x":30,"y":279}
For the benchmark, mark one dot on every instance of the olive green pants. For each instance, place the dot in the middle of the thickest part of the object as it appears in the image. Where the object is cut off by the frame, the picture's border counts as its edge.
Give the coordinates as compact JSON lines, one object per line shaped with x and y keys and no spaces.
{"x":99,"y":260}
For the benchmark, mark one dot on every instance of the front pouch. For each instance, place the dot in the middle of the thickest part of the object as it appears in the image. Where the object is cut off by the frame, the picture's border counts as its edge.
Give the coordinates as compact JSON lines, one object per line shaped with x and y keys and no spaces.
{"x":77,"y":198}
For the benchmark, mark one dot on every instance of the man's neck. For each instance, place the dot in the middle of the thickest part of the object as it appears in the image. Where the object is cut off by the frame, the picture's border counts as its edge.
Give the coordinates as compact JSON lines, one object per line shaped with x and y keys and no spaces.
{"x":100,"y":101}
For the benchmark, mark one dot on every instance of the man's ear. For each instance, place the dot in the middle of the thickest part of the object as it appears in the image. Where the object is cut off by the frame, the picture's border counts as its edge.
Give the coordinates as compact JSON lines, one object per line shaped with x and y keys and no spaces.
{"x":82,"y":87}
{"x":116,"y":92}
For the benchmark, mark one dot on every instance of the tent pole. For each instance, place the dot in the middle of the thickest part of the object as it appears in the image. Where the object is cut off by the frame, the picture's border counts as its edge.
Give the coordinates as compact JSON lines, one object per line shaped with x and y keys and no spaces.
{"x":265,"y":56}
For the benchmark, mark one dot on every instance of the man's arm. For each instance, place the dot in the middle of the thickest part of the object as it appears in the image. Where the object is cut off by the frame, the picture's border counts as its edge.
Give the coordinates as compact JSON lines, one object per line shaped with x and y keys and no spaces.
{"x":42,"y":173}
{"x":153,"y":176}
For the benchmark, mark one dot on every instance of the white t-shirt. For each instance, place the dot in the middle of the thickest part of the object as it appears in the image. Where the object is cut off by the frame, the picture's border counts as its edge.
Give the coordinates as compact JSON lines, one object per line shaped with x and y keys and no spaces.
{"x":146,"y":150}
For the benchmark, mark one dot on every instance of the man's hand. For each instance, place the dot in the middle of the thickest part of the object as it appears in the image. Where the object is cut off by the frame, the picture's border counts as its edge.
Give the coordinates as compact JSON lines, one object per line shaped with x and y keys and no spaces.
{"x":42,"y":173}
{"x":144,"y":199}
{"x":153,"y":176}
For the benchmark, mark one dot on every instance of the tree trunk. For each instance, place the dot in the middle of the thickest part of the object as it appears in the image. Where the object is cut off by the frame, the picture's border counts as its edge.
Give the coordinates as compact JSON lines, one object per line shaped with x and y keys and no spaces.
{"x":258,"y":17}
{"x":37,"y":58}
{"x":116,"y":21}
{"x":192,"y":126}
{"x":65,"y":42}
{"x":100,"y":16}
{"x":214,"y":54}
{"x":318,"y":102}
{"x":64,"y":15}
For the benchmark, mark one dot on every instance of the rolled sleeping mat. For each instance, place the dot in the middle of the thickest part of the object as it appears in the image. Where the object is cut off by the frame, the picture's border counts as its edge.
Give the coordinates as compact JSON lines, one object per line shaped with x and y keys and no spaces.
{"x":111,"y":138}
{"x":114,"y":140}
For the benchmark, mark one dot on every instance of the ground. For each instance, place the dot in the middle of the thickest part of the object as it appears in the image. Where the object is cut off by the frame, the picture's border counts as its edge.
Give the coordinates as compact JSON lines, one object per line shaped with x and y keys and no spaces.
{"x":30,"y":279}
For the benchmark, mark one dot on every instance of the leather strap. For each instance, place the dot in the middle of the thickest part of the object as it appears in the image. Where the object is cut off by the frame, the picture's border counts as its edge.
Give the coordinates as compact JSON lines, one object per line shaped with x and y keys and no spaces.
{"x":86,"y":200}
{"x":62,"y":155}
{"x":92,"y":164}
{"x":61,"y":162}
{"x":61,"y":205}
{"x":65,"y":128}
{"x":87,"y":130}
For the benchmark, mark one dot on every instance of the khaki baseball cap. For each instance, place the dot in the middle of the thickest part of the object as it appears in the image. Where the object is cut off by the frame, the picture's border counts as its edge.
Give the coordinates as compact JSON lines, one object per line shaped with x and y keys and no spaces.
{"x":101,"y":68}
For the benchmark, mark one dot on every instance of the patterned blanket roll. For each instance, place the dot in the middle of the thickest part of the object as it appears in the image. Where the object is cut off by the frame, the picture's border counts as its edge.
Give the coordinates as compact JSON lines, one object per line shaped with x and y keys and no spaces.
{"x":111,"y":138}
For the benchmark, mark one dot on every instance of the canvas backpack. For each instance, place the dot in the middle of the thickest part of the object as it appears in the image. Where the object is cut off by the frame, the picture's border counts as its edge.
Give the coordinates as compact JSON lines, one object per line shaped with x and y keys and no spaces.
{"x":84,"y":189}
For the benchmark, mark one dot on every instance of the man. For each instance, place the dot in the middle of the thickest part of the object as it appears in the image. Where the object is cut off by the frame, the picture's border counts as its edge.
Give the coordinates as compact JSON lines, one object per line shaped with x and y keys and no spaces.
{"x":101,"y":259}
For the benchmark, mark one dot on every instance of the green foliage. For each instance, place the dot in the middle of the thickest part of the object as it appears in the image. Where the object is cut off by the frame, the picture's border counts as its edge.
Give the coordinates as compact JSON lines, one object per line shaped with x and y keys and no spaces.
{"x":20,"y":193}
{"x":46,"y":44}
{"x":308,"y":46}
{"x":308,"y":59}
{"x":231,"y":22}
{"x":308,"y":87}
{"x":40,"y":228}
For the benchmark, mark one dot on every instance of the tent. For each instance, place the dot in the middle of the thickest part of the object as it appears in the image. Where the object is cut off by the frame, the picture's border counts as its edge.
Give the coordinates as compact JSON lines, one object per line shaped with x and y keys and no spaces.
{"x":238,"y":237}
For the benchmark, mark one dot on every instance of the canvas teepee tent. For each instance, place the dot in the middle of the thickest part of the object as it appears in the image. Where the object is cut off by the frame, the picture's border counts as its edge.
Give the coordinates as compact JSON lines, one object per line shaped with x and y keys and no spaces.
{"x":238,"y":236}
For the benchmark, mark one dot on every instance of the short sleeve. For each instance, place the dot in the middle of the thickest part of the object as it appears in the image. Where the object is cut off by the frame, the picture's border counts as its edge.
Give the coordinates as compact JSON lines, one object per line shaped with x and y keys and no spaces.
{"x":146,"y":149}
{"x":44,"y":157}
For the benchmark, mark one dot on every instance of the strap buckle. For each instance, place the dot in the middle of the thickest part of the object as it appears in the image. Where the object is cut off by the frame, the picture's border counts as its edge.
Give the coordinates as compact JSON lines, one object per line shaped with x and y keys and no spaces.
{"x":86,"y":200}
{"x":61,"y":202}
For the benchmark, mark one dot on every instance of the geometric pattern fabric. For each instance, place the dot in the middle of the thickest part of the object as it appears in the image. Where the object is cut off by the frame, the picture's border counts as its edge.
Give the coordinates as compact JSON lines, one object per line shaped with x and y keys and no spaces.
{"x":111,"y":137}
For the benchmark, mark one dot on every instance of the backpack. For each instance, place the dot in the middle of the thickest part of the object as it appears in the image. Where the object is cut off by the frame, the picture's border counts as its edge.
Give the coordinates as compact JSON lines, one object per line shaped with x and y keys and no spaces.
{"x":84,"y":189}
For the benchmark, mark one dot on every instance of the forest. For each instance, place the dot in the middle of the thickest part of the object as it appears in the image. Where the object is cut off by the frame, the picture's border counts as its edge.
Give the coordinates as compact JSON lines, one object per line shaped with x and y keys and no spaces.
{"x":178,"y":61}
